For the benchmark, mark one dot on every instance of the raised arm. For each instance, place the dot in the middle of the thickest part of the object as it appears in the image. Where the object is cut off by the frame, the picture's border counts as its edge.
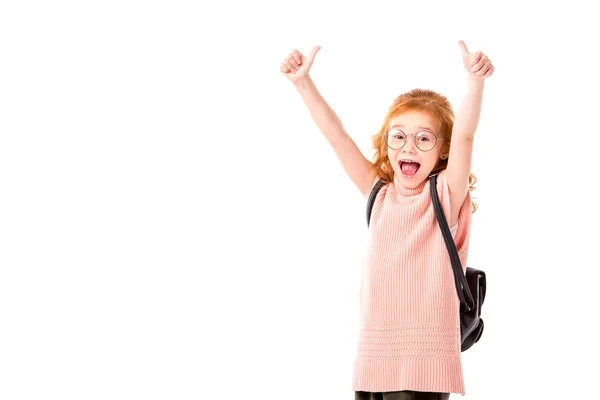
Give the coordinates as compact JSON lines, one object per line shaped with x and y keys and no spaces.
{"x":361,"y":171}
{"x":478,"y":67}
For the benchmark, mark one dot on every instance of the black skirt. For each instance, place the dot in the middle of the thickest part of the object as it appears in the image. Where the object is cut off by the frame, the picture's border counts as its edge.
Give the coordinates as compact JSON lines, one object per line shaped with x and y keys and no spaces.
{"x":402,"y":395}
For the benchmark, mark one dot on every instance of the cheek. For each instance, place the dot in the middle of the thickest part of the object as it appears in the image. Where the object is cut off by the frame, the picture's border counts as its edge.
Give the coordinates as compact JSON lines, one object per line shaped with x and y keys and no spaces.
{"x":432,"y":159}
{"x":392,"y":154}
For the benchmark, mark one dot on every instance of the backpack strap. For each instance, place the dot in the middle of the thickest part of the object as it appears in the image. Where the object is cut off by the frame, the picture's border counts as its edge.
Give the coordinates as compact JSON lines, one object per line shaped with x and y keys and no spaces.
{"x":372,"y":197}
{"x":460,"y":281}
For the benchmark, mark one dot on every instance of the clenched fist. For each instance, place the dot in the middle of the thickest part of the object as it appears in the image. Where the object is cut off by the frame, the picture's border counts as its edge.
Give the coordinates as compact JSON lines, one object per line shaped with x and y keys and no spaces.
{"x":296,"y":66}
{"x":477,"y":64}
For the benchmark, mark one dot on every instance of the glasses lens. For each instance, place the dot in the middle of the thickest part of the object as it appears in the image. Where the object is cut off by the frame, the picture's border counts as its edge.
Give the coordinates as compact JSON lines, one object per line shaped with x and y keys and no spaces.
{"x":396,"y":138}
{"x":425,"y":141}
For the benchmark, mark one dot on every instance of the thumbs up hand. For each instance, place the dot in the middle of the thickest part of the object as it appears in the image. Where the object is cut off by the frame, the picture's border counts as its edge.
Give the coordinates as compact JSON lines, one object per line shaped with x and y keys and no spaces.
{"x":296,"y":66}
{"x":477,"y":64}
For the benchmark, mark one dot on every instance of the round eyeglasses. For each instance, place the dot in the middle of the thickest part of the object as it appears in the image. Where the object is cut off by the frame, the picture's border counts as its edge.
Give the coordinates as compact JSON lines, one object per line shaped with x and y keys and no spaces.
{"x":425,"y":140}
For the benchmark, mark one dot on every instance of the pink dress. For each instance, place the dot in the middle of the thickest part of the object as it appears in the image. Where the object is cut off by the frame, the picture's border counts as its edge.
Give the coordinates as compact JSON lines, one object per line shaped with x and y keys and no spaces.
{"x":409,"y":336}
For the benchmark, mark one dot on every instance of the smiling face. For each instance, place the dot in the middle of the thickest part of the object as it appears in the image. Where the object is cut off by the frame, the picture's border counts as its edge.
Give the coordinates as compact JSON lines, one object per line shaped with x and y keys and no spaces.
{"x":412,"y":165}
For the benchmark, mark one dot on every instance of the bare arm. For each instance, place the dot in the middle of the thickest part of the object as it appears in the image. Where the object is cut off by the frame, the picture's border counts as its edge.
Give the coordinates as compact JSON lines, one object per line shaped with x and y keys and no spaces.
{"x":360,"y":170}
{"x":467,"y":118}
{"x":461,"y":146}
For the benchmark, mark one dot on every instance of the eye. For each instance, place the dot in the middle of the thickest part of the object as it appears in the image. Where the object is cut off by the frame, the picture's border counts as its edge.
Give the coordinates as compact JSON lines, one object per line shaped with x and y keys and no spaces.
{"x":397,"y":134}
{"x":425,"y":137}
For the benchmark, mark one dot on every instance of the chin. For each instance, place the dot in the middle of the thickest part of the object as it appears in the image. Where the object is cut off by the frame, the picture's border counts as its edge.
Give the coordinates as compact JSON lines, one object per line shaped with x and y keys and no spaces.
{"x":411,"y":183}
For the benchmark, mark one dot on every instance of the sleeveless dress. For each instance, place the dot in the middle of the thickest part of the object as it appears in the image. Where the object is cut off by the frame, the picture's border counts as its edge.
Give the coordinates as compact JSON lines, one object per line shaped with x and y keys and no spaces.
{"x":409,"y":333}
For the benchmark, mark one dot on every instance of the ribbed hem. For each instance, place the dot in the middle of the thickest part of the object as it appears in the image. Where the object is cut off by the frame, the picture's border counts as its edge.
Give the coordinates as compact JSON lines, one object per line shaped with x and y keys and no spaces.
{"x":424,"y":374}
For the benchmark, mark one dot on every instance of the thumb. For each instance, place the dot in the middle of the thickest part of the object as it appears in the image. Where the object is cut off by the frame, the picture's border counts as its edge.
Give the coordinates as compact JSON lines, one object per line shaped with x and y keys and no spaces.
{"x":313,"y":53}
{"x":463,"y":47}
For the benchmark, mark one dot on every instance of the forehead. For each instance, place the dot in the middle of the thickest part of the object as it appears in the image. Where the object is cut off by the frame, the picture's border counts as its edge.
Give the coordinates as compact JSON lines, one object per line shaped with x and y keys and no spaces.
{"x":414,"y":120}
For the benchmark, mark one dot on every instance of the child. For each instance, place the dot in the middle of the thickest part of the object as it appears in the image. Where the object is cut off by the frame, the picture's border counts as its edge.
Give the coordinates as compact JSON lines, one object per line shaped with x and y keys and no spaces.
{"x":409,"y":341}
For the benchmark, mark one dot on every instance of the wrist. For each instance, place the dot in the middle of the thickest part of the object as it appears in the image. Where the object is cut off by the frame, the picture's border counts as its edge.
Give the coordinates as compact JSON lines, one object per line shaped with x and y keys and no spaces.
{"x":303,"y":83}
{"x":474,"y":80}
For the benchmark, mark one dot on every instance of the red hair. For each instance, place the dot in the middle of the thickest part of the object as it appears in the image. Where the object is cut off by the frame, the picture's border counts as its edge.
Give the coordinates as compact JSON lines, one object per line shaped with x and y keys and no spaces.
{"x":420,"y":100}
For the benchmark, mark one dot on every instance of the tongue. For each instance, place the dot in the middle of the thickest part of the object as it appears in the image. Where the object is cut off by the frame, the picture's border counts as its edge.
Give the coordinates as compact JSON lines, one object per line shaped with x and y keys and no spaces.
{"x":409,"y":169}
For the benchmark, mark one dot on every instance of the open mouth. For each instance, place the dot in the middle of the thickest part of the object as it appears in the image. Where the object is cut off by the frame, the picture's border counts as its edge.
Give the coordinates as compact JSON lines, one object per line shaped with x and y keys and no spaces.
{"x":409,"y":168}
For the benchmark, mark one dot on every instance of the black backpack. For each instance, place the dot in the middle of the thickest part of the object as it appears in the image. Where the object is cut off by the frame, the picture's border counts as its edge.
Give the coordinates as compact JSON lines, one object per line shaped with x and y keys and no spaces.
{"x":470,"y":287}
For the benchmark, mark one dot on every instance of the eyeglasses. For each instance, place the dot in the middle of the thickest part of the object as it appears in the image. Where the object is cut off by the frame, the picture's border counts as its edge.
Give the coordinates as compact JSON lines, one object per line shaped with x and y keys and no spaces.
{"x":425,"y":141}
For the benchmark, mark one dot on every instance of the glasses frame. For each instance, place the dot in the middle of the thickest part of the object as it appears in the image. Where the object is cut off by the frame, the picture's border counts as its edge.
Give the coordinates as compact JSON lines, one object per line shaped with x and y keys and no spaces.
{"x":437,"y":139}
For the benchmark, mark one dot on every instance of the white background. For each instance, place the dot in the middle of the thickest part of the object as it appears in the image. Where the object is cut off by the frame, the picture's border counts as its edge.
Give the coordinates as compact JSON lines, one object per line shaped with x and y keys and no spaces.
{"x":174,"y":226}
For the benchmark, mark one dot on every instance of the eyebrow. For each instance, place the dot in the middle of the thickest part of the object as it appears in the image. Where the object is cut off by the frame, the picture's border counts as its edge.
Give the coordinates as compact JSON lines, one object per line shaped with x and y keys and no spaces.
{"x":418,"y":127}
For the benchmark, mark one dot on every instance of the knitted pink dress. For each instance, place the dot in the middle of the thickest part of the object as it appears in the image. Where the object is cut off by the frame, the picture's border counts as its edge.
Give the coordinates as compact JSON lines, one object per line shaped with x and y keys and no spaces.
{"x":409,"y":337}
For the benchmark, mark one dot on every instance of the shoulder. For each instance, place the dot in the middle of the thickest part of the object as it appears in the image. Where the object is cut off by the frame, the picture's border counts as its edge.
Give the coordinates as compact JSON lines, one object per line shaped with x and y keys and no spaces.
{"x":452,"y":202}
{"x":374,"y":183}
{"x":441,"y":185}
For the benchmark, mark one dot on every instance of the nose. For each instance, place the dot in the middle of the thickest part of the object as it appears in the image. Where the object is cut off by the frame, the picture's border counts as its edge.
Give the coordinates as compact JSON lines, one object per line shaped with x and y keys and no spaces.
{"x":409,"y":146}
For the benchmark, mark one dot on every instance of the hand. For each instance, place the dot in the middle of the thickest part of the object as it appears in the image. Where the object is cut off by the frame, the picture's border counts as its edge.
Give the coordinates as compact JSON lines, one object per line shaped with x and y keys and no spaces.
{"x":296,"y":66}
{"x":477,"y":64}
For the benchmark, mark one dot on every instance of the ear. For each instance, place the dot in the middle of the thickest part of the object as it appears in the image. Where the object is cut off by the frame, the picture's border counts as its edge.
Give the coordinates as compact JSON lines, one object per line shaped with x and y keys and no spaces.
{"x":445,"y":153}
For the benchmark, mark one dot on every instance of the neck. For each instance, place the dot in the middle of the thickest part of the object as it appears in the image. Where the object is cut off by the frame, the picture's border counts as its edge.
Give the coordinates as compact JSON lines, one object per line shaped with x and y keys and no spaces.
{"x":402,"y":190}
